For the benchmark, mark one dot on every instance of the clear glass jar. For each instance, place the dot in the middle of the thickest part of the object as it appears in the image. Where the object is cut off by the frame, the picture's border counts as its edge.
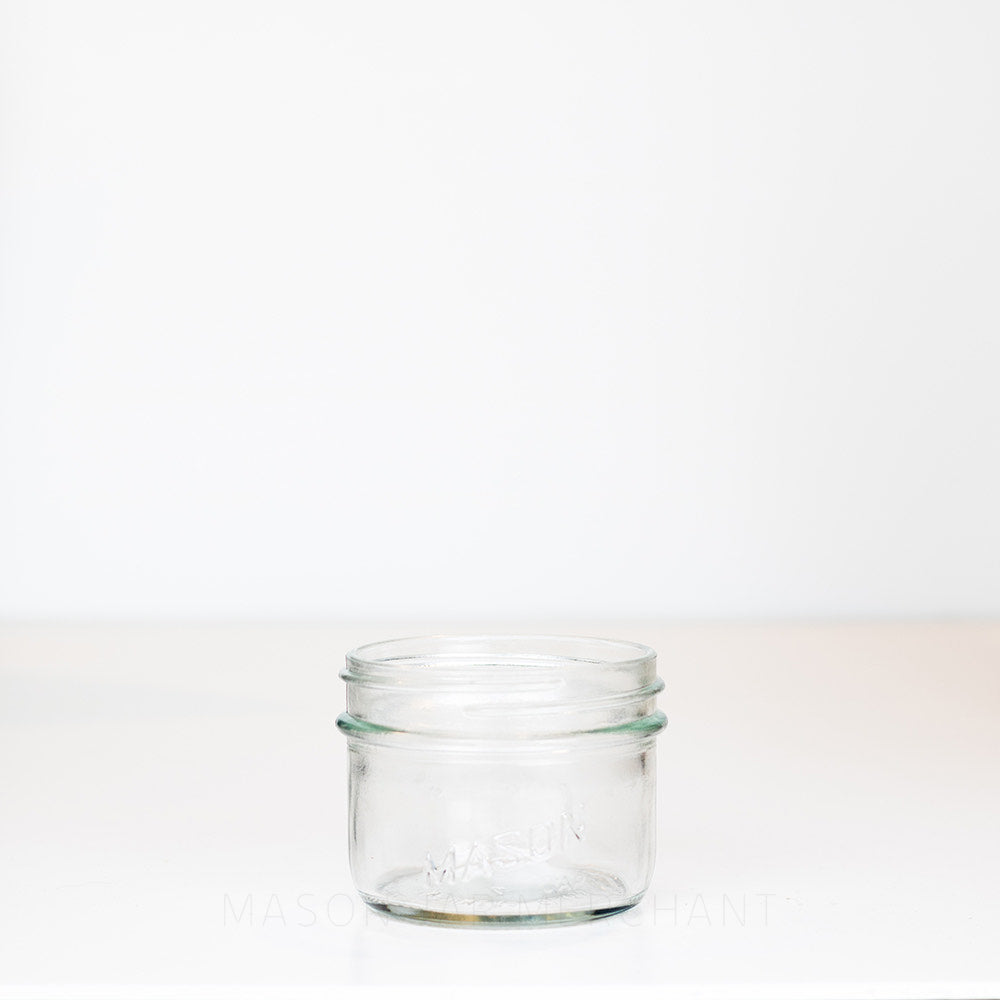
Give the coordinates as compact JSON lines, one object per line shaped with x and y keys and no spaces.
{"x":502,"y":779}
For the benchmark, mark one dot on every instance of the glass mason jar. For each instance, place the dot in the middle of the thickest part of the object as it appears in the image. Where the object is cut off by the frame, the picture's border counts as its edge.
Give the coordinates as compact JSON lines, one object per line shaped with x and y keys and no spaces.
{"x":502,"y":779}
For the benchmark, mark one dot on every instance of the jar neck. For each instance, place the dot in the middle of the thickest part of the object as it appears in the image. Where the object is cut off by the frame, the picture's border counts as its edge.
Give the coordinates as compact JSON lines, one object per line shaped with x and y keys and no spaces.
{"x":502,"y":688}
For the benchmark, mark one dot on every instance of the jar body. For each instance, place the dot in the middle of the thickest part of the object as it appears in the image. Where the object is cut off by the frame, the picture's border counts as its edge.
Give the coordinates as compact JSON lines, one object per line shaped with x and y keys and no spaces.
{"x":502,"y":824}
{"x":502,"y":835}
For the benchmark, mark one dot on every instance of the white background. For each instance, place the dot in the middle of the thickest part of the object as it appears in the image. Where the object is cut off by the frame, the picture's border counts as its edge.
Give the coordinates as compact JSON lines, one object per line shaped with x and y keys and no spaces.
{"x":389,"y":309}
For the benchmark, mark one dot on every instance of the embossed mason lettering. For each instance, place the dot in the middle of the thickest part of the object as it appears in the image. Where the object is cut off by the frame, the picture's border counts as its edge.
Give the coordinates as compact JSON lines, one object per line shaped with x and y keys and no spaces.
{"x":480,"y":859}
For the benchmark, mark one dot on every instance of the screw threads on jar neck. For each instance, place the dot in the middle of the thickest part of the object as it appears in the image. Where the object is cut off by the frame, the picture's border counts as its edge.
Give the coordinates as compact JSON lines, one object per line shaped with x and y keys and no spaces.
{"x":502,"y":687}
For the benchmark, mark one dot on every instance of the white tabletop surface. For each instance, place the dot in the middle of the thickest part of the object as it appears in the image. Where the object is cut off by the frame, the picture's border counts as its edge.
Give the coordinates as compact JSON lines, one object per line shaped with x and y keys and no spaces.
{"x":174,"y":820}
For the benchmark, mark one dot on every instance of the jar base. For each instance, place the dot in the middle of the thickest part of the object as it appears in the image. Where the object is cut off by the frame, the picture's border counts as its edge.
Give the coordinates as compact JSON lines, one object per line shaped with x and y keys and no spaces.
{"x":415,"y":914}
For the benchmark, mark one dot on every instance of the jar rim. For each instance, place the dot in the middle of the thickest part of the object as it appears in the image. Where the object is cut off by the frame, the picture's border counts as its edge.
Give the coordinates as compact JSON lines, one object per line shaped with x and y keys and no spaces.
{"x":376,"y":655}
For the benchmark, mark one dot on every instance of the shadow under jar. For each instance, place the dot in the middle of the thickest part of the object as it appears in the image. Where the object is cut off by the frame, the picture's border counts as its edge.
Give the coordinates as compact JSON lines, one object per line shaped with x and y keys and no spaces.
{"x":502,"y":779}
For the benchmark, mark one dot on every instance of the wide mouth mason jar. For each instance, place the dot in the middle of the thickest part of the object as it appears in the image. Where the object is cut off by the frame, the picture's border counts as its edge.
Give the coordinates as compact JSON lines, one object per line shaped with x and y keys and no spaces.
{"x":501,"y":779}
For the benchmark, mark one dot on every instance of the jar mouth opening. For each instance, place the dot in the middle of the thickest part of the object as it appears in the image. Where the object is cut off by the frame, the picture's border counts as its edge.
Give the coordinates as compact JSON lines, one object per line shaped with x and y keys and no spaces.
{"x":499,"y":651}
{"x":501,"y":685}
